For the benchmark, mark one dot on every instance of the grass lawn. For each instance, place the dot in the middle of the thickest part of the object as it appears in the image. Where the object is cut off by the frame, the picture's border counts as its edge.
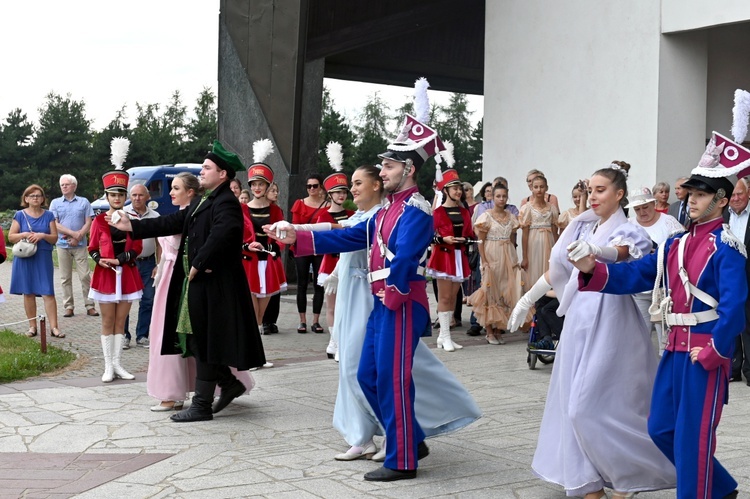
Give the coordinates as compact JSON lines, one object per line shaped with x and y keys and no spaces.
{"x":21,"y":357}
{"x":9,"y":250}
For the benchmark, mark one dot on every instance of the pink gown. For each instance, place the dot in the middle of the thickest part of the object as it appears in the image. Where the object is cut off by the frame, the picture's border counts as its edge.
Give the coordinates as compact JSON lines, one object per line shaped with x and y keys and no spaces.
{"x":172,"y":377}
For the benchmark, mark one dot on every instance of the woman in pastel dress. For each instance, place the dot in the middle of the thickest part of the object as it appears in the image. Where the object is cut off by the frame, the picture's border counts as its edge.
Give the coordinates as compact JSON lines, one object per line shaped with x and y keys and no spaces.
{"x":493,"y":302}
{"x":539,"y":223}
{"x":594,"y":428}
{"x":172,"y":377}
{"x":442,"y":404}
{"x":579,"y":195}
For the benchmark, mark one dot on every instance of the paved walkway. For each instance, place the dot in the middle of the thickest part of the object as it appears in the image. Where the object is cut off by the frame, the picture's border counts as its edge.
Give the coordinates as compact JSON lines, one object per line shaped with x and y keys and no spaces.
{"x":69,"y":435}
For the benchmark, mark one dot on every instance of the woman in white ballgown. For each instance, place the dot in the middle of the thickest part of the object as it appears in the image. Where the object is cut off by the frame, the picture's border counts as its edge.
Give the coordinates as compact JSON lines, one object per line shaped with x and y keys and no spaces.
{"x":594,"y":429}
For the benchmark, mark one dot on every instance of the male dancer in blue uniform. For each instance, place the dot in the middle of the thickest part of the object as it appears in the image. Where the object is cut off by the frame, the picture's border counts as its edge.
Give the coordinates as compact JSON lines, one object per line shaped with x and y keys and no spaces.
{"x":399,"y":236}
{"x":704,"y":311}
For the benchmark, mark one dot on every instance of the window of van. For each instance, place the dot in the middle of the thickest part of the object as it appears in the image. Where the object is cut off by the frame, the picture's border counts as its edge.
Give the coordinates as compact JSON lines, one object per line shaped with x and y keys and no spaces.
{"x":156,"y":188}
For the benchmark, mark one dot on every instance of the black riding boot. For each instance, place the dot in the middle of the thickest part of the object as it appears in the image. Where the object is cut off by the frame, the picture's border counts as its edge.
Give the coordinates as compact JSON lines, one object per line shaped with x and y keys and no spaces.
{"x":200,"y":407}
{"x":229,"y":391}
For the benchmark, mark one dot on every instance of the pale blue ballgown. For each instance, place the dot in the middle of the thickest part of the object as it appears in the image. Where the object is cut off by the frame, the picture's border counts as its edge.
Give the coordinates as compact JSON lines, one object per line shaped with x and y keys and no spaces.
{"x":442,"y":404}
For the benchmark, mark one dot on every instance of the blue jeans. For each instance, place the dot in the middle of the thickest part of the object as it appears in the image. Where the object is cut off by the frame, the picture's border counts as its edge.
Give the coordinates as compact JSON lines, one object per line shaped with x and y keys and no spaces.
{"x":145,"y":268}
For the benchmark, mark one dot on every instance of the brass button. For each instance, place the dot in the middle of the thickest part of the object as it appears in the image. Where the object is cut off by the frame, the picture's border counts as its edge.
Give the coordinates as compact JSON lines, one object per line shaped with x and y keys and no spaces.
{"x":682,"y":343}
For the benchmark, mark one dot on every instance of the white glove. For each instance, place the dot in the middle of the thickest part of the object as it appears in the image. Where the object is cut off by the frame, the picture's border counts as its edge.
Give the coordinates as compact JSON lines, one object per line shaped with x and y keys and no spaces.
{"x":280,"y":228}
{"x":527,"y":301}
{"x":318,"y":227}
{"x":581,"y":249}
{"x":117,"y":215}
{"x":331,"y":283}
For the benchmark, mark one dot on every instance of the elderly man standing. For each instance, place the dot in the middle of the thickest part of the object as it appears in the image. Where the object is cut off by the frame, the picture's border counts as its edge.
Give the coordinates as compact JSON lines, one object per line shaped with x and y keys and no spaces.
{"x":73,"y":216}
{"x":679,"y":209}
{"x":146,"y":262}
{"x":738,"y":217}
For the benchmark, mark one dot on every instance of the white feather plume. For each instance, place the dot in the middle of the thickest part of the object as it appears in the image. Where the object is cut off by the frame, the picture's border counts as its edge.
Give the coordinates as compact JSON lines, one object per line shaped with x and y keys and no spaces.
{"x":447,"y":154}
{"x":261,"y":150}
{"x":119,"y":151}
{"x":740,"y":114}
{"x":335,"y":156}
{"x":421,"y":101}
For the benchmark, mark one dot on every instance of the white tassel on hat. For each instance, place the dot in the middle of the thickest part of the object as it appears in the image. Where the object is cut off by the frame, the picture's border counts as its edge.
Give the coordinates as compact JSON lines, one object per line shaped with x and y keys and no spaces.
{"x":119,"y":151}
{"x":261,"y":150}
{"x":335,"y":156}
{"x":421,"y":100}
{"x":740,"y":114}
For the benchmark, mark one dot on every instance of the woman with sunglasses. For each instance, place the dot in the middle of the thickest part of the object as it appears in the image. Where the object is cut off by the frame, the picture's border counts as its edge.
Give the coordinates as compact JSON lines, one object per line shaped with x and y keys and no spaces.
{"x":306,"y":211}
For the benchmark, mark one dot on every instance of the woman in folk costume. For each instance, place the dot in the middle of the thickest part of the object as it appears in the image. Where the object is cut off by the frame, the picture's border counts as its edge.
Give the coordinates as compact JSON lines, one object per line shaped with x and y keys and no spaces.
{"x":116,"y":282}
{"x":538,"y":220}
{"x":449,"y":263}
{"x":171,"y":377}
{"x":336,"y":185}
{"x":261,"y":257}
{"x":493,"y":302}
{"x":594,"y":429}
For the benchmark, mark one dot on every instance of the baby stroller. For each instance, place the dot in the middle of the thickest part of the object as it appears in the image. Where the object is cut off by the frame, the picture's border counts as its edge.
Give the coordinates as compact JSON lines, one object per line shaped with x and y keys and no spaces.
{"x":544,"y":334}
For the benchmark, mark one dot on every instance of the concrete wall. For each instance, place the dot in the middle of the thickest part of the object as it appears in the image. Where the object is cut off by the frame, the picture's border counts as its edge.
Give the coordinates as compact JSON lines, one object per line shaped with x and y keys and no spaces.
{"x":681,"y":108}
{"x":682,"y":15}
{"x":569,"y":87}
{"x":728,"y":70}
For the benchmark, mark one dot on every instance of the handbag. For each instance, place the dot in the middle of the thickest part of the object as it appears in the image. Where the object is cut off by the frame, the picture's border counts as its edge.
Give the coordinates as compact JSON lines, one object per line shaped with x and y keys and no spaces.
{"x":24,"y":248}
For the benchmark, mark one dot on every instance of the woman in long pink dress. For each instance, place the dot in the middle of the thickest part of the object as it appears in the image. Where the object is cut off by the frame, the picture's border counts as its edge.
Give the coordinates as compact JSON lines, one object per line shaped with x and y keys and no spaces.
{"x":171,"y":378}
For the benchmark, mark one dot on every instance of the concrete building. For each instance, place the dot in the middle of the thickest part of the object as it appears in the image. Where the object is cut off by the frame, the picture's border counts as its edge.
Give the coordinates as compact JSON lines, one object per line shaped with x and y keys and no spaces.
{"x":568,"y":86}
{"x":571,"y":86}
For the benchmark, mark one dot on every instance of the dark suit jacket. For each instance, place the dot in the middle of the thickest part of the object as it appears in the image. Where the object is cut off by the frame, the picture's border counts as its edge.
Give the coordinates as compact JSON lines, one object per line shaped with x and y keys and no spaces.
{"x":674,"y":209}
{"x":219,"y":301}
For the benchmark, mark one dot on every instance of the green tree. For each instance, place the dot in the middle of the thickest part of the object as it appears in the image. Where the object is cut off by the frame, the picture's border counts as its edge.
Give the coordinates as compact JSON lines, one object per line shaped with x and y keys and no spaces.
{"x":334,"y":128}
{"x":62,"y":144}
{"x":15,"y":157}
{"x":101,"y":152}
{"x":474,"y":155}
{"x":158,"y":137}
{"x":371,"y":130}
{"x":454,"y":125}
{"x":203,"y":128}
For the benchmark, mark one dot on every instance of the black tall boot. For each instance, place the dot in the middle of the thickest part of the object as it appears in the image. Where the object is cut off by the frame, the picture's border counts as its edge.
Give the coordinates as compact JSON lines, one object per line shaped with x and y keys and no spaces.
{"x":200,"y":407}
{"x":230,"y":390}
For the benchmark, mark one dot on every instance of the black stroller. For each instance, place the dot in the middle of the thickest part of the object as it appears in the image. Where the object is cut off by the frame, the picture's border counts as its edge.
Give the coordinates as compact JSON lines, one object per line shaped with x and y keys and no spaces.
{"x":544,"y":334}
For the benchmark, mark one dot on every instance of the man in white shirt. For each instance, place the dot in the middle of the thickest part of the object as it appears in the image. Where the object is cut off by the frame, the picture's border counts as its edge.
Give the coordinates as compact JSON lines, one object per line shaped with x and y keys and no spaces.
{"x":738,"y":216}
{"x":73,"y":217}
{"x":146,"y":262}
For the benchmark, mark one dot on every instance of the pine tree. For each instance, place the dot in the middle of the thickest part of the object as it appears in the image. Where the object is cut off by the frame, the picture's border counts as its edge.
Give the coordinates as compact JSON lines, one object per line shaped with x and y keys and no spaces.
{"x":334,"y":128}
{"x":62,"y":144}
{"x":371,"y":131}
{"x":15,"y":157}
{"x":203,"y":128}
